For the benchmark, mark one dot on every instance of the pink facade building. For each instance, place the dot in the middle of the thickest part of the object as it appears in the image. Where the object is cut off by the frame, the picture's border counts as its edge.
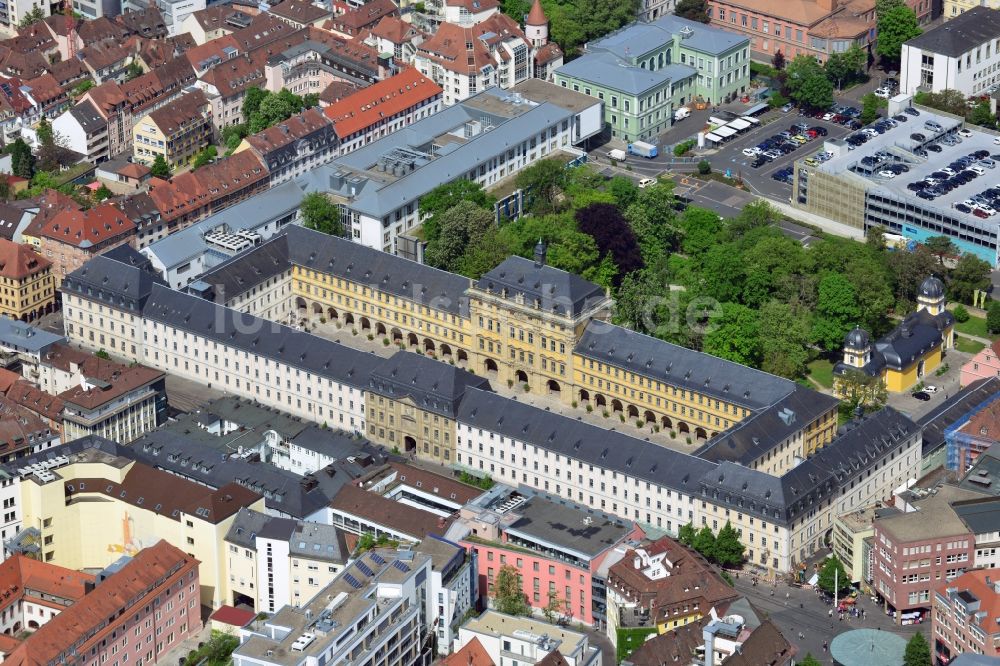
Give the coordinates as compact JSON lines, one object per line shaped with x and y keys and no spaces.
{"x":804,"y":27}
{"x":983,"y":365}
{"x":559,"y":549}
{"x":966,"y":616}
{"x":916,"y":551}
{"x":134,"y":616}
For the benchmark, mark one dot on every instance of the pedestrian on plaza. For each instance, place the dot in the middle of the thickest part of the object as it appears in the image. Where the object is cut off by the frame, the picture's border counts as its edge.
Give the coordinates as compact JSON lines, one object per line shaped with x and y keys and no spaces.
{"x":824,"y":646}
{"x":829,"y":613}
{"x":786,"y":595}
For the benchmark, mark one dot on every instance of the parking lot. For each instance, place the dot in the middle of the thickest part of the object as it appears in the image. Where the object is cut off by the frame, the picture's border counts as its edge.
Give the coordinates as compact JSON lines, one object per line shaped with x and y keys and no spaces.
{"x":759,"y":180}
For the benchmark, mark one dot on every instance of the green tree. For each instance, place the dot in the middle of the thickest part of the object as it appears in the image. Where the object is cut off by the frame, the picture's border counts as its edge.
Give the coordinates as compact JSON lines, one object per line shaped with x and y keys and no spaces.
{"x":778,"y":60}
{"x":22,"y":160}
{"x":801,"y":69}
{"x":982,"y":116}
{"x":207,"y":156}
{"x":543,"y":180}
{"x":483,"y":255}
{"x":895,"y":26}
{"x":233,"y":135}
{"x":816,"y":92}
{"x":809,"y":661}
{"x":870,"y":277}
{"x":34,"y":15}
{"x":310,"y":100}
{"x":833,"y":577}
{"x":553,"y":607}
{"x":993,"y":317}
{"x":941,"y":247}
{"x":918,"y":652}
{"x":728,"y":550}
{"x":461,"y":226}
{"x":508,"y":596}
{"x":882,"y":6}
{"x":443,"y":197}
{"x":836,"y":311}
{"x":845,"y":66}
{"x":134,"y":70}
{"x":949,"y":101}
{"x":252,"y":100}
{"x":869,"y":108}
{"x":970,"y":273}
{"x":735,"y":335}
{"x":82,"y":87}
{"x":704,"y":542}
{"x":102,"y":193}
{"x":859,"y":389}
{"x":960,"y":313}
{"x":160,"y":168}
{"x":321,"y":214}
{"x":784,"y":340}
{"x":686,"y":534}
{"x":694,"y":10}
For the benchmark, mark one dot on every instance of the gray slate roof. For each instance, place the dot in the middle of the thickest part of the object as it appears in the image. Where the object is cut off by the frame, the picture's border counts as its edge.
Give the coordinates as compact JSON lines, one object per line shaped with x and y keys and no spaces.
{"x":245,"y":271}
{"x":753,"y":437}
{"x":121,"y":277}
{"x":566,"y":436}
{"x":606,"y":69}
{"x":962,"y":33}
{"x":87,"y":116}
{"x":311,"y":353}
{"x":682,"y":367}
{"x":554,"y":290}
{"x":379,"y":270}
{"x":982,"y":516}
{"x":16,"y":334}
{"x":246,"y":525}
{"x":432,"y":385}
{"x":783,"y":499}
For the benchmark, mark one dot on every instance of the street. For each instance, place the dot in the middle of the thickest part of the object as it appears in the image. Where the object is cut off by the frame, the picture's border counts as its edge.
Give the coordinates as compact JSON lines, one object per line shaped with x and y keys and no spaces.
{"x":806,"y":613}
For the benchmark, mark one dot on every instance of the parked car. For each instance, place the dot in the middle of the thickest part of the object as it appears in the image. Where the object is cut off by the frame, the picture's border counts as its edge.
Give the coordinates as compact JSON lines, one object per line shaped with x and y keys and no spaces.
{"x":922,"y":395}
{"x":931,"y":389}
{"x":646,"y":182}
{"x":885,"y":173}
{"x":965,"y":133}
{"x":910,"y":111}
{"x":901,"y":117}
{"x":750,"y":152}
{"x":788,"y":107}
{"x":916,"y":136}
{"x":933,"y":147}
{"x":884,"y":93}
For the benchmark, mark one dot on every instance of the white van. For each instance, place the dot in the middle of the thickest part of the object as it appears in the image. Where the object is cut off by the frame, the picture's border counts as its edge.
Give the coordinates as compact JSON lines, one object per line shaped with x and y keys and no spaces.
{"x":681,"y":113}
{"x":617,"y":154}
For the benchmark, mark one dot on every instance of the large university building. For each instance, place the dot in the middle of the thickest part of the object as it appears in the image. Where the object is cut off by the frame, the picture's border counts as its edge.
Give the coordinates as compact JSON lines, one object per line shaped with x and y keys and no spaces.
{"x":770,"y":461}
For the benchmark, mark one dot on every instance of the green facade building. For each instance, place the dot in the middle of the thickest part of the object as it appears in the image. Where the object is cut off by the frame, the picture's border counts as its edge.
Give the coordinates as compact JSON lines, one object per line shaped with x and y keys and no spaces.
{"x":646,"y":70}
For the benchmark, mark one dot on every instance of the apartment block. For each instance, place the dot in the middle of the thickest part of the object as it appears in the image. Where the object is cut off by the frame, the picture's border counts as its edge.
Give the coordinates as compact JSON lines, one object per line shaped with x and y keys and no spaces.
{"x":27,"y":281}
{"x":88,"y":483}
{"x":558,"y":548}
{"x":532,"y":640}
{"x":961,"y":55}
{"x":139,"y":612}
{"x":294,"y":146}
{"x":966,"y":617}
{"x":177,"y":131}
{"x":276,"y":562}
{"x":379,"y":603}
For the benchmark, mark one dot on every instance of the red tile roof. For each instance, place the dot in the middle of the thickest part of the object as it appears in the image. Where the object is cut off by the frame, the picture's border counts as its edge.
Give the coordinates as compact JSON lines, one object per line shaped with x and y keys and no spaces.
{"x":236,"y":617}
{"x":381,"y":100}
{"x":537,"y":15}
{"x":19,"y":261}
{"x":82,"y":622}
{"x":288,"y":131}
{"x":475,"y":6}
{"x":31,"y":397}
{"x":365,"y":16}
{"x":299,"y":11}
{"x":7,"y":379}
{"x":472,"y":654}
{"x":448,"y":46}
{"x":88,"y":228}
{"x":22,"y":576}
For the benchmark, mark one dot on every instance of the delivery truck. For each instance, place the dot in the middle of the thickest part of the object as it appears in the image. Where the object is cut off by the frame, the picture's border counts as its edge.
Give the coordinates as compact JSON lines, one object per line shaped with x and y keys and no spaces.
{"x":681,"y":113}
{"x":617,"y":154}
{"x":642,"y":149}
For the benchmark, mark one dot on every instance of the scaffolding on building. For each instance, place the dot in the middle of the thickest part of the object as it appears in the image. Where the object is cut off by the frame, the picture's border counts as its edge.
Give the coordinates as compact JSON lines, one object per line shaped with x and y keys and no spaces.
{"x":962,"y":448}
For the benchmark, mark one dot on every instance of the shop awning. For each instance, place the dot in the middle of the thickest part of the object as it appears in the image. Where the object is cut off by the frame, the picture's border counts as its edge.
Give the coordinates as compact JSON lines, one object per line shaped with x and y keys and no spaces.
{"x":757,"y":108}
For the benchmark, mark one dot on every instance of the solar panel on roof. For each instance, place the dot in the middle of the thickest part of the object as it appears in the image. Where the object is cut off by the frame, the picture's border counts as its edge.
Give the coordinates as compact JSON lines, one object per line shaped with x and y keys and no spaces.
{"x":365,"y":569}
{"x":377,"y":558}
{"x":352,"y":581}
{"x":402,"y":567}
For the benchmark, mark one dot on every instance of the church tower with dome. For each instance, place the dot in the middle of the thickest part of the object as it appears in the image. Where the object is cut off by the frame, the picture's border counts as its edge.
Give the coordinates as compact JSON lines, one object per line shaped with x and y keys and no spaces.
{"x":908,"y":353}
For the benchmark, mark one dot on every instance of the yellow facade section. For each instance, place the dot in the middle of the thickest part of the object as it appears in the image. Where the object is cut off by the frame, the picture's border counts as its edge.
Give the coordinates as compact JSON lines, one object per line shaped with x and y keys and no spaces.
{"x":674,"y":622}
{"x":92,"y":530}
{"x":896,"y":381}
{"x":28,"y":297}
{"x":436,"y":331}
{"x":515,"y":345}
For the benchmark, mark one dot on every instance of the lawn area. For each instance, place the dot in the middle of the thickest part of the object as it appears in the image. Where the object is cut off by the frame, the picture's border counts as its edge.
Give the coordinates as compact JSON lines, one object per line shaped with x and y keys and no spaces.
{"x":630,"y":638}
{"x":821,"y":370}
{"x":968,"y":346}
{"x":975,"y":326}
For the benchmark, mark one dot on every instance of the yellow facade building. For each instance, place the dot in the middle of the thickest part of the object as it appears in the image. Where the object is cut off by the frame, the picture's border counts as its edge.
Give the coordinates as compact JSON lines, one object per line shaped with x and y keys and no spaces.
{"x":912,"y":350}
{"x":524,"y":325}
{"x":27,"y":285}
{"x":98,"y":506}
{"x":176,"y":131}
